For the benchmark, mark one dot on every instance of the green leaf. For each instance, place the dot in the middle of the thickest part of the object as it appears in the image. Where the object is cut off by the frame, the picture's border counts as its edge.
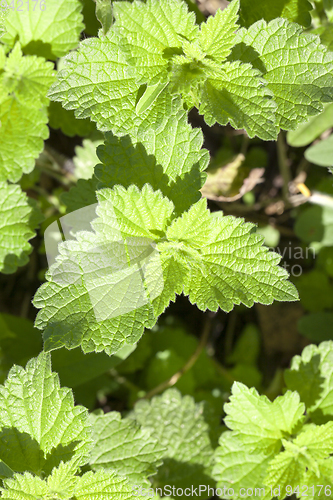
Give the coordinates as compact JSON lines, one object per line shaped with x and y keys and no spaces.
{"x":236,"y":466}
{"x":260,"y":422}
{"x":316,"y":326}
{"x":239,"y":97}
{"x":217,"y":35}
{"x":50,"y":31}
{"x":316,"y":224}
{"x":60,"y":118}
{"x":120,"y":445}
{"x":297,"y":11}
{"x":62,"y":484}
{"x":286,"y":56}
{"x":313,"y":128}
{"x":104,"y":14}
{"x":317,"y":440}
{"x":322,"y":484}
{"x":170,"y":159}
{"x":104,"y":486}
{"x":81,"y":195}
{"x":315,"y":291}
{"x":28,"y":77}
{"x":24,"y":82}
{"x":187,"y":459}
{"x":99,"y":65}
{"x":311,"y":374}
{"x":89,"y":294}
{"x":284,"y":470}
{"x":40,"y":426}
{"x":86,"y":158}
{"x":321,"y":153}
{"x":19,"y":342}
{"x":149,"y":31}
{"x":15,"y":228}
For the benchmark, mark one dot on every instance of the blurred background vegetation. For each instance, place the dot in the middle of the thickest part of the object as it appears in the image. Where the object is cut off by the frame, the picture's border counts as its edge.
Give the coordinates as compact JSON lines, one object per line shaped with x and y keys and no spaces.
{"x":286,"y":188}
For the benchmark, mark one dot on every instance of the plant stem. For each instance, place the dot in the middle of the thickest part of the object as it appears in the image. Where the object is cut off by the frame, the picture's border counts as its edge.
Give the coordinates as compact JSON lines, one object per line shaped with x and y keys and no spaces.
{"x":283,"y":166}
{"x":189,"y":363}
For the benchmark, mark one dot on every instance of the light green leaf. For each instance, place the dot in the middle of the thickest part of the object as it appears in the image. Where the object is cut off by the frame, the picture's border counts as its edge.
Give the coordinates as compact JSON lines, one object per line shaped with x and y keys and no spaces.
{"x":297,"y":11}
{"x":97,"y":82}
{"x":24,"y":487}
{"x":24,"y":82}
{"x":318,"y":488}
{"x":86,"y":157}
{"x":50,"y":29}
{"x":15,"y":228}
{"x":297,"y":68}
{"x":286,"y":469}
{"x":317,"y":440}
{"x":104,"y":14}
{"x":321,"y":153}
{"x":170,"y":159}
{"x":239,"y":97}
{"x":236,"y":466}
{"x":3,"y":14}
{"x":40,"y":426}
{"x":313,"y":128}
{"x":311,"y":374}
{"x":178,"y":424}
{"x":151,"y":32}
{"x":217,"y":35}
{"x":262,"y":423}
{"x":28,"y":77}
{"x":104,"y":486}
{"x":23,"y":131}
{"x":120,"y":445}
{"x":99,"y":281}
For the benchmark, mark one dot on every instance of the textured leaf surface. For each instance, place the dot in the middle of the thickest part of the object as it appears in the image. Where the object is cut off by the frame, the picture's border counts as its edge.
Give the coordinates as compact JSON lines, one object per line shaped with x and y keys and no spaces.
{"x":97,"y":82}
{"x":62,"y":484}
{"x":51,"y":32}
{"x":297,"y":11}
{"x":149,"y":29}
{"x":40,"y":426}
{"x":260,"y":422}
{"x":288,"y":59}
{"x":170,"y":159}
{"x":237,"y":466}
{"x":178,"y":424}
{"x":15,"y":229}
{"x":96,"y":286}
{"x":24,"y":82}
{"x":311,"y":374}
{"x":120,"y":445}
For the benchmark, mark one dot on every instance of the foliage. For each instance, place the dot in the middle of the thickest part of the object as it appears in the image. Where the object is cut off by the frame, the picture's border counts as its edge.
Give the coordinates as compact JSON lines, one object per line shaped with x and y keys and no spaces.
{"x":134,"y":168}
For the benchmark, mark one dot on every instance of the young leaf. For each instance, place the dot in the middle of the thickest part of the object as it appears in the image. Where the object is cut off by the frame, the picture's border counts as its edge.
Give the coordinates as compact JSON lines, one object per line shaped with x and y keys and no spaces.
{"x":120,"y":445}
{"x":311,"y":375}
{"x":150,"y":32}
{"x":216,"y":260}
{"x":104,"y":486}
{"x":286,"y":56}
{"x":40,"y":426}
{"x":286,"y":469}
{"x":49,"y":29}
{"x":297,"y":11}
{"x":261,"y":423}
{"x":15,"y":228}
{"x":217,"y":35}
{"x":170,"y":159}
{"x":187,"y":459}
{"x":104,"y":14}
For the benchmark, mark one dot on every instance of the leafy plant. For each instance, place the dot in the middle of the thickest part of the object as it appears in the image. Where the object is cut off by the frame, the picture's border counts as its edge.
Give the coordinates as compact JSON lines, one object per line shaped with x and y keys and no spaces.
{"x":130,"y":223}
